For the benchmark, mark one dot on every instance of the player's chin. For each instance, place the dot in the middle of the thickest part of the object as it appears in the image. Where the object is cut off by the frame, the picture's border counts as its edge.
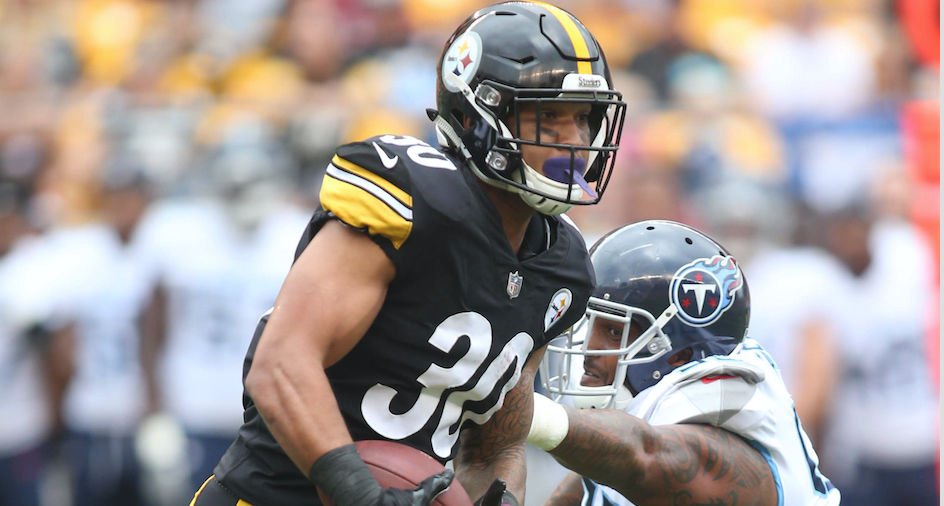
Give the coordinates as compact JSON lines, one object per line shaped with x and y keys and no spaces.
{"x":590,"y":379}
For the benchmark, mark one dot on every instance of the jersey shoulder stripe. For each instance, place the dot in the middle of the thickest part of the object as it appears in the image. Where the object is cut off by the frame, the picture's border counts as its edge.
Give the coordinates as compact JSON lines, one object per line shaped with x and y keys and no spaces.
{"x":364,"y":199}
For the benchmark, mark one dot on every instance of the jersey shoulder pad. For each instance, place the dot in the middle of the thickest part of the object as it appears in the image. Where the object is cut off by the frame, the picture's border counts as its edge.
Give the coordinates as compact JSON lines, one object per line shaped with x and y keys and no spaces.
{"x":369,"y":187}
{"x":710,"y":391}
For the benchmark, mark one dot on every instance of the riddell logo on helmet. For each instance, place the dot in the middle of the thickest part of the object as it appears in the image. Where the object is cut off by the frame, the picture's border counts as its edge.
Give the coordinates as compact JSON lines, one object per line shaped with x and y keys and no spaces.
{"x":585,"y":82}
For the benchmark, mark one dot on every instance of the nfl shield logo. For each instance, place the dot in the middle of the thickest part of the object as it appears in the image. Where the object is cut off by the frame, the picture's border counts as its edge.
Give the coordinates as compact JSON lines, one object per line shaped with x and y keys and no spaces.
{"x":514,"y":284}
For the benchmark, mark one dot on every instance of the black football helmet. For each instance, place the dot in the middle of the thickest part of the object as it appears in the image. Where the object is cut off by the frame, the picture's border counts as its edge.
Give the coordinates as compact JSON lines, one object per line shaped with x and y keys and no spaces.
{"x":518,"y":54}
{"x":681,"y":287}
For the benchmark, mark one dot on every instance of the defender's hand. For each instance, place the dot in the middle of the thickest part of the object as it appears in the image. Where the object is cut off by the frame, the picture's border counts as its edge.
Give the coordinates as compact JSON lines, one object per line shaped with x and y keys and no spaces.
{"x":423,"y":495}
{"x":496,"y":495}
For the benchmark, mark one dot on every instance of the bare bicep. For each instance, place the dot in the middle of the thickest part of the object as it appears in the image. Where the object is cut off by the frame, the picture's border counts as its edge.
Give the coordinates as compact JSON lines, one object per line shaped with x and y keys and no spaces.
{"x":330,"y":297}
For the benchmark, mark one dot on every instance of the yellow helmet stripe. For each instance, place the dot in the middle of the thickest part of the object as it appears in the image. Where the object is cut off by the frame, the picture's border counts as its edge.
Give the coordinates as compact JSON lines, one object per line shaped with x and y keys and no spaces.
{"x":576,"y":38}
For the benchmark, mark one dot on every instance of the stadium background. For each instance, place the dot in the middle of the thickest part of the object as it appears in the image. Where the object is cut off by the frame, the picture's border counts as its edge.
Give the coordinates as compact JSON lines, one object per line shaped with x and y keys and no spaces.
{"x":803,"y":134}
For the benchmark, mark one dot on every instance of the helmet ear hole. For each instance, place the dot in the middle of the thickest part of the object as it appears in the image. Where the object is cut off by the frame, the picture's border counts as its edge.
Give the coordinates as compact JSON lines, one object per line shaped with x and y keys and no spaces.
{"x":681,"y":357}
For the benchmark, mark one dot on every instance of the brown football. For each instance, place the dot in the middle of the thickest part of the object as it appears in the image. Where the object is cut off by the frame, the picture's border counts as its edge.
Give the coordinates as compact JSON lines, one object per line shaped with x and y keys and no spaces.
{"x":401,"y":466}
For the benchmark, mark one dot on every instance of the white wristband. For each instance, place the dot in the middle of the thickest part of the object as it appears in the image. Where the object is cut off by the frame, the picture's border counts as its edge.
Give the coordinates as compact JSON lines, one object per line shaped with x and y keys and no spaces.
{"x":549,"y":425}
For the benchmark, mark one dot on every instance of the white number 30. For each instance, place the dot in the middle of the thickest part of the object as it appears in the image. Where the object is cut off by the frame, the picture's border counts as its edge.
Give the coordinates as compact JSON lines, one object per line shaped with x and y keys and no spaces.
{"x":376,"y":404}
{"x":420,"y":152}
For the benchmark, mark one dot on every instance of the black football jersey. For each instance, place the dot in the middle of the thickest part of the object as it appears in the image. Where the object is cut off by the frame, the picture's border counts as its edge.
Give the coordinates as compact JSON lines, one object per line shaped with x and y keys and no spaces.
{"x":460,"y":318}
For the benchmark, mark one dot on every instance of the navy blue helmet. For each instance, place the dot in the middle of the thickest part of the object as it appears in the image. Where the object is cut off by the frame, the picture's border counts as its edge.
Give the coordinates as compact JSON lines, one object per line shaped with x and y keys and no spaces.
{"x":681,"y":288}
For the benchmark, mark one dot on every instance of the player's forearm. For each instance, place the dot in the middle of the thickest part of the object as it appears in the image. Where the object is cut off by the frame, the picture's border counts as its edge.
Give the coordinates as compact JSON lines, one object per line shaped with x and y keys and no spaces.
{"x":664,"y":465}
{"x":496,"y":449}
{"x":568,"y":493}
{"x":299,"y":408}
{"x":328,"y":301}
{"x":476,"y":473}
{"x":153,"y":327}
{"x":608,"y":446}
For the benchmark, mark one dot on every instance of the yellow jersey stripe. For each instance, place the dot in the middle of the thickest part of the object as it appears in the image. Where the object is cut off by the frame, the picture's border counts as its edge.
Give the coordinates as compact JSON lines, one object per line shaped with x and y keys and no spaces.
{"x":369,"y":187}
{"x":362,"y":209}
{"x":576,"y":38}
{"x":242,"y":503}
{"x":195,"y":496}
{"x":390,"y":188}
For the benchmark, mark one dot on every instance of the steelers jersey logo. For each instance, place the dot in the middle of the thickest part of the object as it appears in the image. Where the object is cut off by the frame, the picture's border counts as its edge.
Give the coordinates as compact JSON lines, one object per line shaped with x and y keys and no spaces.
{"x":559,"y":305}
{"x":704,"y":289}
{"x":462,"y":59}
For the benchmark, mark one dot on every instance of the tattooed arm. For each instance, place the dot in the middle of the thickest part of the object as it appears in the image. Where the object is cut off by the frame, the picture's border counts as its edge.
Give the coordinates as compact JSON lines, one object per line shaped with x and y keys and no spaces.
{"x":496,"y":448}
{"x":668,"y":465}
{"x":568,"y":493}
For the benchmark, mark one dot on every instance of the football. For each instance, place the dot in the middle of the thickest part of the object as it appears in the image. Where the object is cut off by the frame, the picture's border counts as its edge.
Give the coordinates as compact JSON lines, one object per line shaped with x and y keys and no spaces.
{"x":400,"y":466}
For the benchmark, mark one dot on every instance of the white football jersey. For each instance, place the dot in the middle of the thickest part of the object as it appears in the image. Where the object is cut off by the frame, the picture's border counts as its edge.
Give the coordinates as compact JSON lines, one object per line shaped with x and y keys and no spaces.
{"x":218,"y":282}
{"x":105,"y":299}
{"x":789,"y":289}
{"x":25,"y":299}
{"x":886,"y":410}
{"x":755,"y":405}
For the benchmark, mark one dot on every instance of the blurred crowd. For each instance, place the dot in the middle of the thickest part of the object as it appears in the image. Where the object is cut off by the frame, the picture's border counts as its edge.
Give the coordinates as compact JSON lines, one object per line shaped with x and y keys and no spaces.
{"x":159,"y":160}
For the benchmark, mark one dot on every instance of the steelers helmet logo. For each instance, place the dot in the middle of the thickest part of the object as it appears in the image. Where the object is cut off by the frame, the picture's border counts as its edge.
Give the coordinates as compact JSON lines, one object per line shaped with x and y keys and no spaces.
{"x":704,"y":289}
{"x":462,"y":59}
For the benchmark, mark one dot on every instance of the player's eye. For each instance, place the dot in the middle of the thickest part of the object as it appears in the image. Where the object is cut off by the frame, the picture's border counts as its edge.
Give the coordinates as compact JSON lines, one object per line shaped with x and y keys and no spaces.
{"x":583,"y":119}
{"x":614,"y":332}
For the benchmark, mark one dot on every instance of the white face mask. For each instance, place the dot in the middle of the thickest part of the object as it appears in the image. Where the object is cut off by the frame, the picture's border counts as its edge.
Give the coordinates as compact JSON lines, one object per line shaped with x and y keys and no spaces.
{"x":562,"y":366}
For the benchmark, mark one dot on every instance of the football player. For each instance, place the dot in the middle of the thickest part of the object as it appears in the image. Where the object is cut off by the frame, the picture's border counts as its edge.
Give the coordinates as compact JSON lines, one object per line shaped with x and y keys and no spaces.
{"x":701,"y":414}
{"x":426,"y":287}
{"x":36,"y":348}
{"x":218,"y":260}
{"x":105,"y":290}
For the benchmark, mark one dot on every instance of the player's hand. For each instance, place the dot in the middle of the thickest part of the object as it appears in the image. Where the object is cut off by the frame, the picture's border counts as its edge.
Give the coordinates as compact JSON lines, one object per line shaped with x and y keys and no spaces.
{"x":423,"y":495}
{"x":496,"y":495}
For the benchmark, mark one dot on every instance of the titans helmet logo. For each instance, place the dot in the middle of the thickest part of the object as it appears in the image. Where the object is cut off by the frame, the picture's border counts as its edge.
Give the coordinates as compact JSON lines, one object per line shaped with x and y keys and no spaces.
{"x":704,"y":289}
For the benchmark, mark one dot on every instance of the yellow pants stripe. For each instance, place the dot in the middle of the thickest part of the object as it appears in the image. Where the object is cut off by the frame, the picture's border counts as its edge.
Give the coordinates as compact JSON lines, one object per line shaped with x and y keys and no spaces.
{"x":194,"y":500}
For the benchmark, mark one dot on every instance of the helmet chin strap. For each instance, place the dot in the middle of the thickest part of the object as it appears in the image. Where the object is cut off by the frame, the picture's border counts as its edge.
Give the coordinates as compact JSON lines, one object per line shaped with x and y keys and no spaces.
{"x":532,"y":179}
{"x":604,"y":399}
{"x":528,"y":176}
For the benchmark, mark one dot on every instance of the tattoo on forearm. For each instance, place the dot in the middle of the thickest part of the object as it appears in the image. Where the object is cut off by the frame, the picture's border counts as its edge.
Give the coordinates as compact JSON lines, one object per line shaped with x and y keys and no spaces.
{"x":720,"y":454}
{"x":602,"y":446}
{"x":677,"y":465}
{"x":684,"y":498}
{"x":496,"y":449}
{"x":568,"y":493}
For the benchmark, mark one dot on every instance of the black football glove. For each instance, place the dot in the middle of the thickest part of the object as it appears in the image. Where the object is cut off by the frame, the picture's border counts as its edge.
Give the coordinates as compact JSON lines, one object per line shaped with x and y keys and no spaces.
{"x":423,"y":495}
{"x":496,"y":495}
{"x":343,"y":476}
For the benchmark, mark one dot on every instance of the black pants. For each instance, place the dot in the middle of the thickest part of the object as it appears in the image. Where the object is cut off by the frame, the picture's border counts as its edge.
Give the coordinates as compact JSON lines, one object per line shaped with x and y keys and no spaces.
{"x":213,"y":494}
